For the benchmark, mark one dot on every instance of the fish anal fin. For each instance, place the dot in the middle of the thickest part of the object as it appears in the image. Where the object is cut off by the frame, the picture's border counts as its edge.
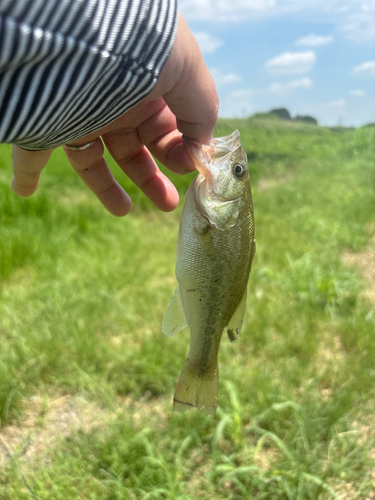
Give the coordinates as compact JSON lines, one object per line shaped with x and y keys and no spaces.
{"x":235,"y":324}
{"x":196,"y":391}
{"x":174,"y":318}
{"x":253,"y":250}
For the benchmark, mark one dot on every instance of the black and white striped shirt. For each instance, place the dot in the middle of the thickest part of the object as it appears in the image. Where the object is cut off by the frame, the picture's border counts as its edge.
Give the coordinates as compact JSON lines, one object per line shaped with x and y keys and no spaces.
{"x":69,"y":67}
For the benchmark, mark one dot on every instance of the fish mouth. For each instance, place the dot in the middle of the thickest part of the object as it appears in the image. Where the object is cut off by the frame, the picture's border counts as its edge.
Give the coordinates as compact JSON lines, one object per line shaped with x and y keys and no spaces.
{"x":205,"y":155}
{"x":228,"y":142}
{"x":200,"y":153}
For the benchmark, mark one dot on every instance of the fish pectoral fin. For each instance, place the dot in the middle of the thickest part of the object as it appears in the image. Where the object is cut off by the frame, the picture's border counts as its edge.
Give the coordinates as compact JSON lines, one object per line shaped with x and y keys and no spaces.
{"x":235,"y":324}
{"x":174,"y":318}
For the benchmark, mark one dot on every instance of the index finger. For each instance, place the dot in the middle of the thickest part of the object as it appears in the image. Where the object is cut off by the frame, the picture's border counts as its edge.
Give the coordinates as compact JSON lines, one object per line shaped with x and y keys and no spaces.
{"x":27,"y":167}
{"x":160,"y":135}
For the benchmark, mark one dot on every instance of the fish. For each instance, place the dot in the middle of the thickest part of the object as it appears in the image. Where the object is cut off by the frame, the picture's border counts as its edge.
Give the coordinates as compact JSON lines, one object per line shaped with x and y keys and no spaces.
{"x":215,"y":250}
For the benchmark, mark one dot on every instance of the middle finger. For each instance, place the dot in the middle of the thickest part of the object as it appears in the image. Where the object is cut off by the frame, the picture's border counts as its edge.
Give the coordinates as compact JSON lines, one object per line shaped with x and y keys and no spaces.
{"x":93,"y":170}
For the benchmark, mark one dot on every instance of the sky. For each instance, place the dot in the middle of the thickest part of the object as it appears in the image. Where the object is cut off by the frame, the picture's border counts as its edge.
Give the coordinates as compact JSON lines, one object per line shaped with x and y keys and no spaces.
{"x":314,"y":57}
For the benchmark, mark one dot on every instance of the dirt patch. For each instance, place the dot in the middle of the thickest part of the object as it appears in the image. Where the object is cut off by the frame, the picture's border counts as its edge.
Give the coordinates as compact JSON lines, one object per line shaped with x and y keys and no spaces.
{"x":349,"y":491}
{"x":363,"y":433}
{"x":364,"y":262}
{"x":329,"y":353}
{"x":266,"y":457}
{"x":329,"y":356}
{"x":47,"y":422}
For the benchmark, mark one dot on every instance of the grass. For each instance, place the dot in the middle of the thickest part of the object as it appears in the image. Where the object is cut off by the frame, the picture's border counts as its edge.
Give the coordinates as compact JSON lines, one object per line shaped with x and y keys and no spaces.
{"x":82,"y":297}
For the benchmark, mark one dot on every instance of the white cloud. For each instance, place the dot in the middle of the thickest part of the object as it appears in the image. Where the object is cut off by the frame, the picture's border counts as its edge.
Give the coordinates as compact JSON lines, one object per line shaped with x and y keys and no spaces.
{"x":354,"y":18}
{"x":286,"y":88}
{"x":207,"y":43}
{"x":338,"y":103}
{"x":365,"y":69}
{"x":292,"y":62}
{"x":224,"y":78}
{"x":242,"y":93}
{"x":344,"y":8}
{"x":359,"y":24}
{"x":237,"y":103}
{"x":327,"y":113}
{"x":357,"y":93}
{"x":314,"y":40}
{"x":224,"y":10}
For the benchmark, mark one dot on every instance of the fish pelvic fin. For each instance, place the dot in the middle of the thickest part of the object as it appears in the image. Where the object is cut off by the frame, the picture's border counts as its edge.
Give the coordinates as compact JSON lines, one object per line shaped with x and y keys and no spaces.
{"x":235,"y":324}
{"x":174,"y":319}
{"x":196,"y":390}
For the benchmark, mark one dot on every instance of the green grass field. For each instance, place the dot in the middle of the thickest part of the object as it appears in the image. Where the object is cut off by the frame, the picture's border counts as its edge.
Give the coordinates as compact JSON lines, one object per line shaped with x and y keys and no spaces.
{"x":87,"y":377}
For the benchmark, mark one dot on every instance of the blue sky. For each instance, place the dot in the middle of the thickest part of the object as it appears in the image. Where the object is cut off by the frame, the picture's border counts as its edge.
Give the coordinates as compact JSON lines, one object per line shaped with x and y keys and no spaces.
{"x":314,"y":57}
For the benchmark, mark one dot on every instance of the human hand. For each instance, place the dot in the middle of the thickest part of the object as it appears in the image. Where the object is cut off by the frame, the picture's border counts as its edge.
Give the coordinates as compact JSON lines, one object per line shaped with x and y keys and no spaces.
{"x":184,"y":101}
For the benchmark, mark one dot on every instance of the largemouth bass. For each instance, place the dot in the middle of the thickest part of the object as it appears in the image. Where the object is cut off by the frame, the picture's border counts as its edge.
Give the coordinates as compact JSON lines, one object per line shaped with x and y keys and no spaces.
{"x":215,"y":249}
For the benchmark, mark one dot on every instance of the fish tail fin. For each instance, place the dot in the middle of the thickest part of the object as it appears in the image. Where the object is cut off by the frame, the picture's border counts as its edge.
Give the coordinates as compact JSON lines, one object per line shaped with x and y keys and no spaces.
{"x":196,"y":390}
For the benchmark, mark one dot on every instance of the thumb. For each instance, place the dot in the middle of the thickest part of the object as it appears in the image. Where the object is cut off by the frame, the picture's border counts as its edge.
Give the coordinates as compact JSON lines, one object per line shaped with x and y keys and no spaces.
{"x":188,"y":87}
{"x":27,"y":166}
{"x":193,"y":100}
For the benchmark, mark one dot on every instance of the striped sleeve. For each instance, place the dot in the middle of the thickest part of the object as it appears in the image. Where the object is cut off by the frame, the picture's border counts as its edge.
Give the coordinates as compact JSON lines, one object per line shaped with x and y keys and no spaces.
{"x":70,"y":67}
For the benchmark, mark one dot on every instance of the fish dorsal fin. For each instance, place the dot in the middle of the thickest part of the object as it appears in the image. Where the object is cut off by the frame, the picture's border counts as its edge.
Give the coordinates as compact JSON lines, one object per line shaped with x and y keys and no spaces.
{"x":235,"y":324}
{"x":174,"y":318}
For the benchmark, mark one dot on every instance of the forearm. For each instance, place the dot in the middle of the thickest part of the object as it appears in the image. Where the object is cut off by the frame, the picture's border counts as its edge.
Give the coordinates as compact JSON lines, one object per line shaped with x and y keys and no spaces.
{"x":69,"y":68}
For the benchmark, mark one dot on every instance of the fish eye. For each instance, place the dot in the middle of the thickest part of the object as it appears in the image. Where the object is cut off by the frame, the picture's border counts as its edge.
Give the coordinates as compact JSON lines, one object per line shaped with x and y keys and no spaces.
{"x":239,"y":170}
